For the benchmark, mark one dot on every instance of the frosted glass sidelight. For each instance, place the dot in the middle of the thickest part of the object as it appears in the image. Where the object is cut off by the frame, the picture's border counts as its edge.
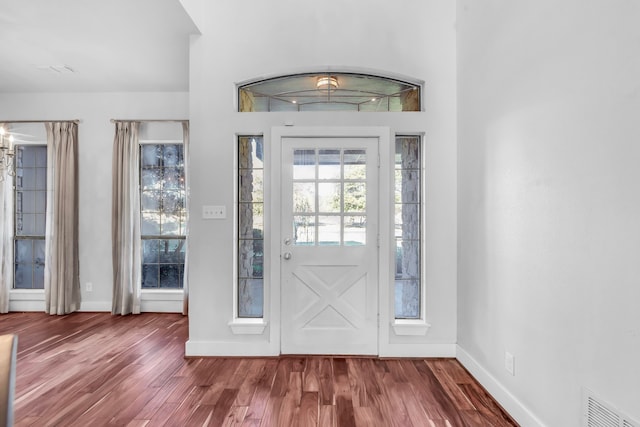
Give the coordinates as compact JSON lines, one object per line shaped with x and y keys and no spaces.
{"x":407,"y":299}
{"x":250,"y":255}
{"x":407,"y":214}
{"x":250,"y":298}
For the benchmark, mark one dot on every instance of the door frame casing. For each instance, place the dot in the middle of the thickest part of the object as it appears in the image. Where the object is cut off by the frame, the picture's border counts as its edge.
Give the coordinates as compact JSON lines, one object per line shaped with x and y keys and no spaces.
{"x":383,"y":134}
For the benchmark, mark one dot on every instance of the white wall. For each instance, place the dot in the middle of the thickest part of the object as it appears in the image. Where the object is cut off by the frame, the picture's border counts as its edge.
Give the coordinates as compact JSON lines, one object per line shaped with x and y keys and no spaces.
{"x":245,"y":40}
{"x":95,"y":139}
{"x":549,"y":202}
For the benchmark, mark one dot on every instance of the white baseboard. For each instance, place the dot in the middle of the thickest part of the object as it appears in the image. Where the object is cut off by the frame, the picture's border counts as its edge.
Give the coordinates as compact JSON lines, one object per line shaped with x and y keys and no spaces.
{"x":417,"y":350}
{"x":498,"y":391}
{"x":147,"y":306}
{"x":257,"y":349}
{"x":95,"y":306}
{"x":230,"y":349}
{"x":26,"y":305}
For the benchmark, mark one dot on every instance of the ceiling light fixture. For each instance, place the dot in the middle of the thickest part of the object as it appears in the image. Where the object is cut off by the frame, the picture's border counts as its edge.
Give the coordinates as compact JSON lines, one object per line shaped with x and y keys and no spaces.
{"x":328,"y":83}
{"x":7,"y":167}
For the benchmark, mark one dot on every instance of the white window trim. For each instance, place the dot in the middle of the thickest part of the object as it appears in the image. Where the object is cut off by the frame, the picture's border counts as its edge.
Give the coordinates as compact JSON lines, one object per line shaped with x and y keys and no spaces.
{"x":163,"y":299}
{"x":419,"y":326}
{"x":248,"y":325}
{"x":410,"y":327}
{"x":26,"y":299}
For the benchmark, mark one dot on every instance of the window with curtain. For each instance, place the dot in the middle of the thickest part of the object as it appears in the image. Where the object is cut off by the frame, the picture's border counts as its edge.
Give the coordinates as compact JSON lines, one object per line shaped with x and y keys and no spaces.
{"x":408,"y":227}
{"x":250,"y":268}
{"x":163,"y":214}
{"x":30,"y":199}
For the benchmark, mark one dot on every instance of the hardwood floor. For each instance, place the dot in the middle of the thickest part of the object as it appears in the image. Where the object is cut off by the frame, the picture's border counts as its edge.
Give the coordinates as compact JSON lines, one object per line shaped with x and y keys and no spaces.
{"x":94,"y":369}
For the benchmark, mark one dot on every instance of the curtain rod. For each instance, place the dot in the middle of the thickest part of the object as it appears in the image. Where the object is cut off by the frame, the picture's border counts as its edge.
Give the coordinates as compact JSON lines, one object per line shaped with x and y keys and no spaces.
{"x":151,"y":120}
{"x":39,"y":121}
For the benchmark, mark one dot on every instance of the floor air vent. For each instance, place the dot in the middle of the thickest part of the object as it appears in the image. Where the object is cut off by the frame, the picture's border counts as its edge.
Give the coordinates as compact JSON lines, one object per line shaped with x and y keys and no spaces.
{"x":598,"y":413}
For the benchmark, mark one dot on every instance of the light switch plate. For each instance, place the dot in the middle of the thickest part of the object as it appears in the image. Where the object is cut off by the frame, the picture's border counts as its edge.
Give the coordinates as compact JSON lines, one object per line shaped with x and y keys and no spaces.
{"x":214,"y":212}
{"x":509,"y":362}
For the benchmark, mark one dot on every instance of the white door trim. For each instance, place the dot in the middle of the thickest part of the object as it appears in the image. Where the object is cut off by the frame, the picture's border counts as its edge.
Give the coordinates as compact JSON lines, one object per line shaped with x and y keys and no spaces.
{"x":384,"y":216}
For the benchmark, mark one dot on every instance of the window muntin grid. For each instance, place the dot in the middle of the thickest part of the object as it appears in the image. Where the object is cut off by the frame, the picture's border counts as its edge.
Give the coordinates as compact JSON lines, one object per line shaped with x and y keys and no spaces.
{"x":408,"y":227}
{"x":30,"y":206}
{"x":163,"y":215}
{"x":250,"y":269}
{"x":329,"y":197}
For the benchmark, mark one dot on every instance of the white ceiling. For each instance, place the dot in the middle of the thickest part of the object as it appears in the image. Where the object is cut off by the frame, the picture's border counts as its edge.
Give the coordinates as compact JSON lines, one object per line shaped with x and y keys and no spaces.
{"x":111,"y":45}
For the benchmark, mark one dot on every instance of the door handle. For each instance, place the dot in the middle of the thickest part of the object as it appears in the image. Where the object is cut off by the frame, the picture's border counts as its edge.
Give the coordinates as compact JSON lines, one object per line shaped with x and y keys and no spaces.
{"x":286,"y":256}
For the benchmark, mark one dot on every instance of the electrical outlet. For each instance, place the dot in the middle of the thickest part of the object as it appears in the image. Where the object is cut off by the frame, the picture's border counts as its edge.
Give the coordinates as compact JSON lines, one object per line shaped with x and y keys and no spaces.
{"x":509,"y":363}
{"x":214,"y":212}
{"x":89,"y":287}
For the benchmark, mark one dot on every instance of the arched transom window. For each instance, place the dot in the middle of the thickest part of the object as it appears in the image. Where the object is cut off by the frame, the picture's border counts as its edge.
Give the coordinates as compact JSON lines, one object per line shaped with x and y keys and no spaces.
{"x":329,"y":92}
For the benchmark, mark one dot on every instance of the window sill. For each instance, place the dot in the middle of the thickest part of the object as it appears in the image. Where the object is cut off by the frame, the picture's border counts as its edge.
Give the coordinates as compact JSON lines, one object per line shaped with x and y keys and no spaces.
{"x":248,"y":326}
{"x":407,"y":327}
{"x":162,"y":294}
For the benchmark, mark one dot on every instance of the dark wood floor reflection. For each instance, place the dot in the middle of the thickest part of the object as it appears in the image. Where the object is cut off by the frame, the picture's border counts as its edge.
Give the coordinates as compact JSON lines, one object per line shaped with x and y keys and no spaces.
{"x":94,"y":369}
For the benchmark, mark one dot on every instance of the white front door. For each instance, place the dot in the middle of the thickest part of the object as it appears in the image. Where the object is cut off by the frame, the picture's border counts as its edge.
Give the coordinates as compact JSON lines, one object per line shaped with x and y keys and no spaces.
{"x":329,"y":245}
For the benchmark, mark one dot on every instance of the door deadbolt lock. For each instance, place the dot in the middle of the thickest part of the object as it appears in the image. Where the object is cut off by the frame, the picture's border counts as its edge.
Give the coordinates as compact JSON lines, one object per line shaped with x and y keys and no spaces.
{"x":286,"y":255}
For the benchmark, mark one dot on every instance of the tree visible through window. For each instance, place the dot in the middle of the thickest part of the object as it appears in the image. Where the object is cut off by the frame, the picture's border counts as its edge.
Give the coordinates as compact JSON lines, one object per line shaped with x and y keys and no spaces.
{"x":329,"y":197}
{"x":163,"y":228}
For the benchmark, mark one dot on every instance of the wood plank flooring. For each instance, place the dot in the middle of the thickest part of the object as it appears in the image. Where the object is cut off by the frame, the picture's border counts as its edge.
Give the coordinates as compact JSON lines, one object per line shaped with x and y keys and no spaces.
{"x":94,"y":369}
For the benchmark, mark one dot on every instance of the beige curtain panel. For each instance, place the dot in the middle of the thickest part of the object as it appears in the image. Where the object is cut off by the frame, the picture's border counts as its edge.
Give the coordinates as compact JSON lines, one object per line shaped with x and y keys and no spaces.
{"x":6,"y":240}
{"x":125,"y":220}
{"x":61,"y":274}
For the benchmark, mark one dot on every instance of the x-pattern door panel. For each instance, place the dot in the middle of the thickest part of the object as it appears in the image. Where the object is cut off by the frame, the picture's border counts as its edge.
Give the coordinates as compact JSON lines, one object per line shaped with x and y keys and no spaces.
{"x":330,"y":297}
{"x":329,"y":246}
